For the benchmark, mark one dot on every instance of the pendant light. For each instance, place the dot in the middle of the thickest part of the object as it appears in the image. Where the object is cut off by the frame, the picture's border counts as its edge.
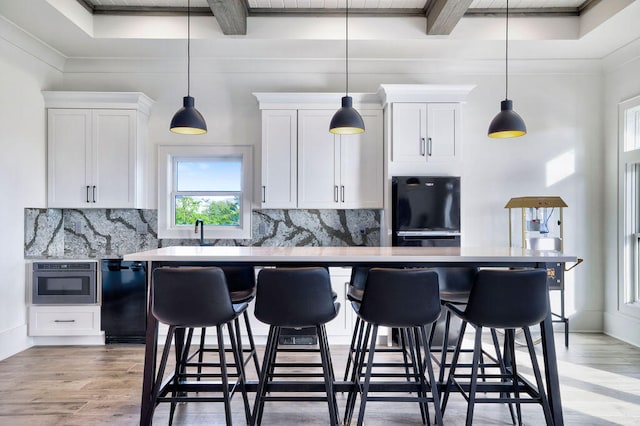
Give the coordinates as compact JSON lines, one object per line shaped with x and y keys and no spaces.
{"x":507,"y":124}
{"x":347,"y":120}
{"x":188,"y":120}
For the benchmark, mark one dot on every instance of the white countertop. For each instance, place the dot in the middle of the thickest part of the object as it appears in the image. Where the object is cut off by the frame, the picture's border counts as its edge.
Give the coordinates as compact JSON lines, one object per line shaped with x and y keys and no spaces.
{"x":267,"y":255}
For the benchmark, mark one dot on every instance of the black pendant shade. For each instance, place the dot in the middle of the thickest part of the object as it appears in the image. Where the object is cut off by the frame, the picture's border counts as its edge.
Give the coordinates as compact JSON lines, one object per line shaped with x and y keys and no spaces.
{"x":188,"y":120}
{"x":347,"y":120}
{"x":507,"y":123}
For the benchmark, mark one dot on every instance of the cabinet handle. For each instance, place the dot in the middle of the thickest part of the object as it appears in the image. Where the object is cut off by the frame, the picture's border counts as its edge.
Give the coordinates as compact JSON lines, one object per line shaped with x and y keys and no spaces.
{"x":88,"y":194}
{"x":94,"y":193}
{"x":264,"y":193}
{"x":342,"y":193}
{"x":429,"y":147}
{"x":422,"y":147}
{"x":335,"y":193}
{"x":71,"y":320}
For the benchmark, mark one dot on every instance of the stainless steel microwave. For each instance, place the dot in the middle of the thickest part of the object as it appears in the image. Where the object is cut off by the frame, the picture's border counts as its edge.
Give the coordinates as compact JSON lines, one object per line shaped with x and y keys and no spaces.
{"x":64,"y":283}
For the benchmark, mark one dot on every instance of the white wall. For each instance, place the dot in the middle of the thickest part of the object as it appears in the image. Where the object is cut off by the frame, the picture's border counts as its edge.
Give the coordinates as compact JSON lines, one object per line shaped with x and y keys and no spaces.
{"x":22,"y":173}
{"x":621,"y":82}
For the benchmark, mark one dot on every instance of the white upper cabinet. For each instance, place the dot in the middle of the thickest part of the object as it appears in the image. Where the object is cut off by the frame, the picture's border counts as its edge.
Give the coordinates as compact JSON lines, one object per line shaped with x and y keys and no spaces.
{"x":423,"y":125}
{"x":339,"y":171}
{"x":305,"y":166}
{"x":423,"y":132}
{"x":279,"y":159}
{"x":97,"y":150}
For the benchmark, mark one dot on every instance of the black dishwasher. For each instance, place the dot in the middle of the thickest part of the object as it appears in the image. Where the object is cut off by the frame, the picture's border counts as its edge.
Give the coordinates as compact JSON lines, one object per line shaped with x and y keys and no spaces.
{"x":124,"y":301}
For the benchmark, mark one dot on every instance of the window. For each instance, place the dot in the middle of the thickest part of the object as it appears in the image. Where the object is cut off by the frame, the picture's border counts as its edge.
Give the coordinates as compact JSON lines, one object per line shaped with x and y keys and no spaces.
{"x":209,"y":183}
{"x":629,"y":167}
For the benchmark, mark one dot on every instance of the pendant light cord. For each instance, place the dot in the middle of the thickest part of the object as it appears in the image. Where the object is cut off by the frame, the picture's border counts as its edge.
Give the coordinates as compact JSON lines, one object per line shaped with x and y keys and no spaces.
{"x":506,"y":56}
{"x":188,"y":47}
{"x":346,"y":56}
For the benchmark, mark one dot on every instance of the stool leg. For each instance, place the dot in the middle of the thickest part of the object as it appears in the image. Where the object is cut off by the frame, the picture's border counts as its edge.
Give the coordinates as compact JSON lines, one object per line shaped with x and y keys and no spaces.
{"x":411,"y":338}
{"x":510,"y":340}
{"x":325,"y":356}
{"x":352,"y":348}
{"x":452,"y":368}
{"x":252,"y":344}
{"x":445,"y":345}
{"x":223,"y":374}
{"x":358,"y":362}
{"x":435,"y":393}
{"x":477,"y":349}
{"x":536,"y":371}
{"x":269,"y":354}
{"x":203,"y":333}
{"x":163,"y":364}
{"x":367,"y":377}
{"x":415,"y":335}
{"x":242,"y":380}
{"x":503,"y":370}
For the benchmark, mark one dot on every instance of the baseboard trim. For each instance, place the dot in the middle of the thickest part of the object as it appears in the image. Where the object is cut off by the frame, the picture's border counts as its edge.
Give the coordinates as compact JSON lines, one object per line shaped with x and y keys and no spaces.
{"x":13,"y":341}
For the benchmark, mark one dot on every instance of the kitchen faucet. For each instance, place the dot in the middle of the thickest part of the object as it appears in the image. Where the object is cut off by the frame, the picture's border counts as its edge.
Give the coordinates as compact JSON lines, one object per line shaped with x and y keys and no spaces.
{"x":200,"y":223}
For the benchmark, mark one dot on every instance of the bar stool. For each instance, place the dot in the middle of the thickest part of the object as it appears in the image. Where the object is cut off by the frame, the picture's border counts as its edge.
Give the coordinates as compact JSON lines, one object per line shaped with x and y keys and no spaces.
{"x":196,"y":297}
{"x":385,"y":303}
{"x":506,"y":299}
{"x":294,"y":298}
{"x":355,"y":291}
{"x":241,"y":283}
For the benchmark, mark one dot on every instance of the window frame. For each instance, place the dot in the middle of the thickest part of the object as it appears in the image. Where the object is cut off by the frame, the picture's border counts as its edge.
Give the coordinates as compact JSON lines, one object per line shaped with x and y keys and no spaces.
{"x":628,"y":212}
{"x":168,"y":155}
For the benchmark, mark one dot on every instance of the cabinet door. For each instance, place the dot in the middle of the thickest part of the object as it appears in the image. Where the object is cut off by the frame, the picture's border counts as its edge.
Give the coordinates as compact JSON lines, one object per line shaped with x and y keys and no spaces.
{"x":68,"y":153}
{"x":409,"y":132}
{"x":442,"y":131}
{"x":317,"y":187}
{"x":339,"y":329}
{"x":361,"y":176}
{"x":114,"y":158}
{"x":279,"y":159}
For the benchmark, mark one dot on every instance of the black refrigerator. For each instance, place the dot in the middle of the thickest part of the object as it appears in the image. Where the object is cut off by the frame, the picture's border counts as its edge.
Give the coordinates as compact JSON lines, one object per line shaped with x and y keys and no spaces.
{"x":425,"y":211}
{"x":124,"y":301}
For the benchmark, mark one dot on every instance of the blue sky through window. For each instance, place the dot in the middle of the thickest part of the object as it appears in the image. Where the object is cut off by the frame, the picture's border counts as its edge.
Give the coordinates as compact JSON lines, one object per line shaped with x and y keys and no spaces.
{"x":211,"y":175}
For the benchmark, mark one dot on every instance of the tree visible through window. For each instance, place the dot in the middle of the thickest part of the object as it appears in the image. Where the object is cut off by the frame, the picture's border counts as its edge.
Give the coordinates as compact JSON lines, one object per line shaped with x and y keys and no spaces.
{"x":208,"y":190}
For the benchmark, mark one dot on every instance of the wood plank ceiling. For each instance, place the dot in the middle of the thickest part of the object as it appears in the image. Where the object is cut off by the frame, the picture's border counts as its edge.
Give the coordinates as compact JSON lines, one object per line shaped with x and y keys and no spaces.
{"x":441,"y":15}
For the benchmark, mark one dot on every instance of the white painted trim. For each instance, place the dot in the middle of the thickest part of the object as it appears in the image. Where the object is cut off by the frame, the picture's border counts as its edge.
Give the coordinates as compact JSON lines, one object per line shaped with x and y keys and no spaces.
{"x":13,"y":341}
{"x":330,"y":101}
{"x":622,"y":327}
{"x":117,"y":100}
{"x":165,"y":185}
{"x":424,"y":92}
{"x":631,"y":310}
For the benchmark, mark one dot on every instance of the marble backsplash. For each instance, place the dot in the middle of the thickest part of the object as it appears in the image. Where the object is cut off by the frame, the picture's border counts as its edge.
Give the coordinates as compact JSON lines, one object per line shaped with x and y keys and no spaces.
{"x":99,"y":233}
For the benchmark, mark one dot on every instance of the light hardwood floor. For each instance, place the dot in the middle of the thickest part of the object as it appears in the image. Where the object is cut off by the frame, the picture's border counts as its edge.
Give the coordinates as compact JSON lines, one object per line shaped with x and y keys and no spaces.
{"x":100,"y":385}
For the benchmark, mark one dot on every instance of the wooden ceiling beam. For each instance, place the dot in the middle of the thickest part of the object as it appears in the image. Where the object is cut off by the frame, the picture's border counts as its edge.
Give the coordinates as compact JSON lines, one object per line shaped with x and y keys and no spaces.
{"x":444,"y":15}
{"x":231,"y":16}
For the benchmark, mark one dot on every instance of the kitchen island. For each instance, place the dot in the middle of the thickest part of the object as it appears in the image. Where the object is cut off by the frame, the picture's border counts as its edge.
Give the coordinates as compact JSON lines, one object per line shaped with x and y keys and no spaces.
{"x":349,"y":256}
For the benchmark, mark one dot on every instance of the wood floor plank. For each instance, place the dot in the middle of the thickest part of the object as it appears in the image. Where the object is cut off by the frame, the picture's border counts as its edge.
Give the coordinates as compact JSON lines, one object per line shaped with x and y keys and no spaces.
{"x":101,"y":385}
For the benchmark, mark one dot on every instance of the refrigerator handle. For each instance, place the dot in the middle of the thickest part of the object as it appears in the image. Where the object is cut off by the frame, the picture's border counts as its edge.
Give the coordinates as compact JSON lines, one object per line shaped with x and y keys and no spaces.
{"x":422,"y":147}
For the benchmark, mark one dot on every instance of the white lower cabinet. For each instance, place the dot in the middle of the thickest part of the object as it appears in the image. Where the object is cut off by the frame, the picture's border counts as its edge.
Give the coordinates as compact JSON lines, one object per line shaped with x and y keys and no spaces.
{"x":64,"y":320}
